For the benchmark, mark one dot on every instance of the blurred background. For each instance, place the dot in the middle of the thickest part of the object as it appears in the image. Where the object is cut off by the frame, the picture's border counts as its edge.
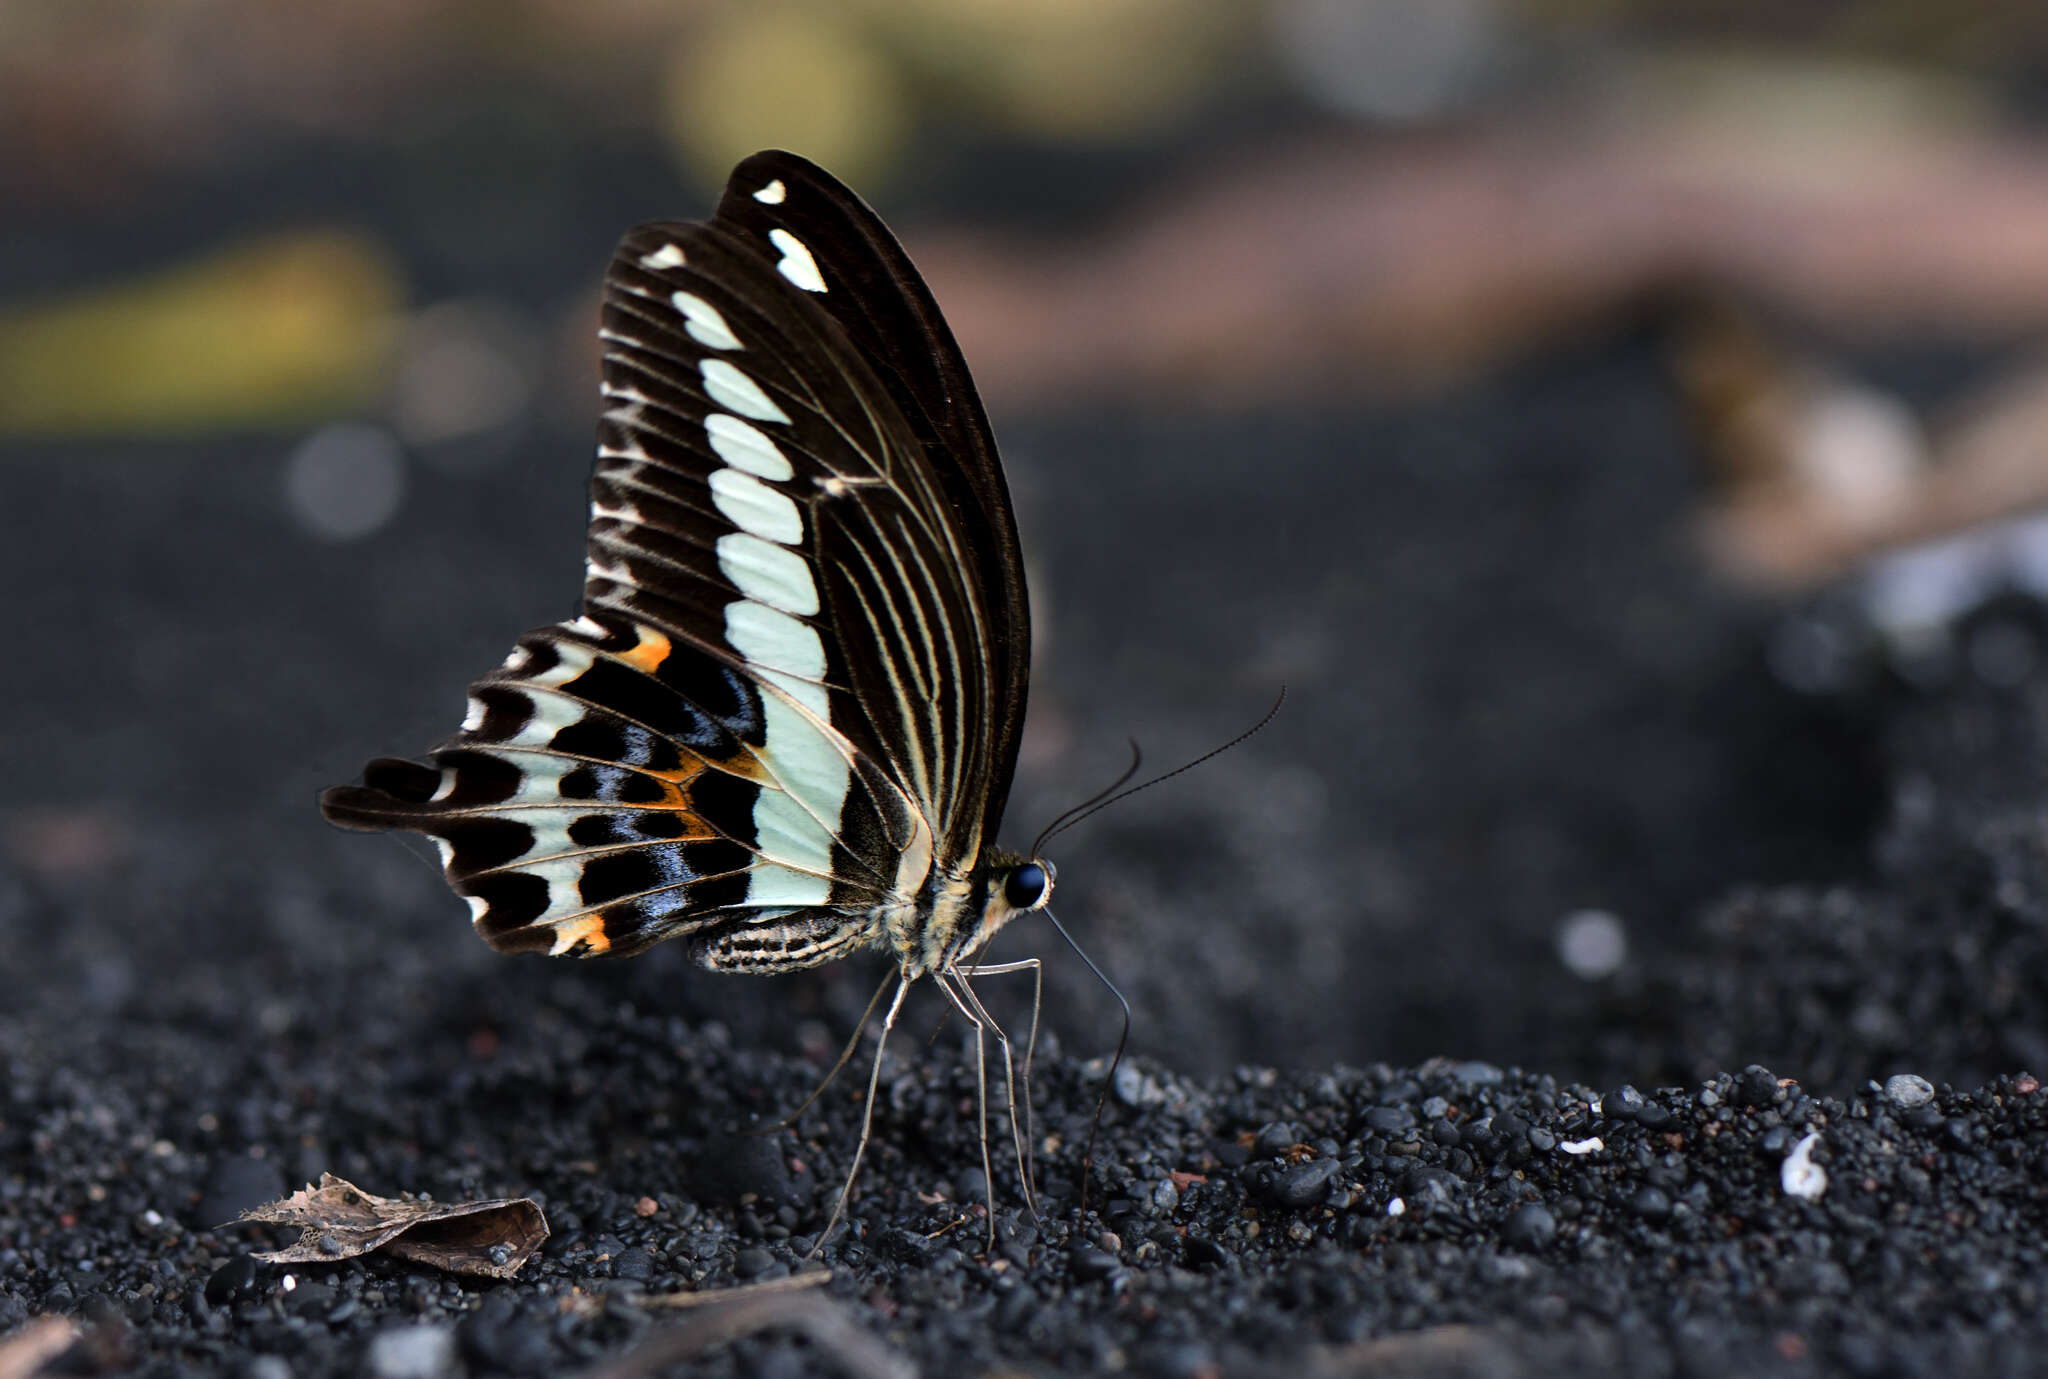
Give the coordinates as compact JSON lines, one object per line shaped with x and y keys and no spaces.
{"x":1594,"y":412}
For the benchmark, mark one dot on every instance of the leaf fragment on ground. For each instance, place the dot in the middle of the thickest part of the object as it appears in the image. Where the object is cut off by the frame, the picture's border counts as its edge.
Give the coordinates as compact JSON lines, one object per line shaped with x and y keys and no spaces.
{"x":338,"y":1220}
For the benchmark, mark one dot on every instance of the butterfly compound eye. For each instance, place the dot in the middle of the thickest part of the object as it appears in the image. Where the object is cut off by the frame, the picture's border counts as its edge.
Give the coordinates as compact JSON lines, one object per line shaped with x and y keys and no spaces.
{"x":1026,"y":887}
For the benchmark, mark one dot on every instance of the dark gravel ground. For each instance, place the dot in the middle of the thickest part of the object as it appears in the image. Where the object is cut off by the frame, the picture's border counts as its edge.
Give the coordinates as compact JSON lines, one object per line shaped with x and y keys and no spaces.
{"x":232,"y":1001}
{"x":1513,"y":695}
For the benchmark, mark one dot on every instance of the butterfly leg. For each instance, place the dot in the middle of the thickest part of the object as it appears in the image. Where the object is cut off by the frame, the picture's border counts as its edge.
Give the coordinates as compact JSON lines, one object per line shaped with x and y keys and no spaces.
{"x":970,"y":1007}
{"x":867,"y":1114}
{"x":789,"y":1121}
{"x":1020,"y":1130}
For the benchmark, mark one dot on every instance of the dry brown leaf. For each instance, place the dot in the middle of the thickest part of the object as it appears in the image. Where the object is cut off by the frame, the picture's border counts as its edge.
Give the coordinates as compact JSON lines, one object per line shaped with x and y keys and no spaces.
{"x":338,"y":1220}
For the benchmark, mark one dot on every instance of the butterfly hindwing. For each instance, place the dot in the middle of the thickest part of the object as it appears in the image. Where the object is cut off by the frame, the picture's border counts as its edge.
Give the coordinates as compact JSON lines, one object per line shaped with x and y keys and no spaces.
{"x":791,"y":701}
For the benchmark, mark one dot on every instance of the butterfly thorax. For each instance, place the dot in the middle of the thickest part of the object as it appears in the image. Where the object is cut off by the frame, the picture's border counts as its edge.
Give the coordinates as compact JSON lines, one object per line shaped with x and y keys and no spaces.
{"x":962,"y":909}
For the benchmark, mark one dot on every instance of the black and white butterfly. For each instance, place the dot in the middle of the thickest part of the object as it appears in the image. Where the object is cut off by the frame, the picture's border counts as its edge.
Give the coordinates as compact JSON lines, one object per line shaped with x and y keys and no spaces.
{"x":784,"y":727}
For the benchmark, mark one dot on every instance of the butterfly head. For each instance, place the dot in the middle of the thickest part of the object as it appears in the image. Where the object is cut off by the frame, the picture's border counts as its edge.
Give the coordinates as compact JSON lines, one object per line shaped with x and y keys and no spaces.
{"x":1017,"y":885}
{"x":1027,"y":884}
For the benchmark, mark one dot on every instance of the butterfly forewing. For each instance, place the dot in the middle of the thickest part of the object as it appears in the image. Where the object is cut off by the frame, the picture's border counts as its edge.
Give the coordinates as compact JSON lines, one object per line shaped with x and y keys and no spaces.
{"x":882,"y":306}
{"x":792,"y":698}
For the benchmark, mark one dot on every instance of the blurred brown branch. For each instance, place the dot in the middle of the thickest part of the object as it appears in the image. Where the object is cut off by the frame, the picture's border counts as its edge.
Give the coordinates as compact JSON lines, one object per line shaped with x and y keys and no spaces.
{"x":1385,"y":265}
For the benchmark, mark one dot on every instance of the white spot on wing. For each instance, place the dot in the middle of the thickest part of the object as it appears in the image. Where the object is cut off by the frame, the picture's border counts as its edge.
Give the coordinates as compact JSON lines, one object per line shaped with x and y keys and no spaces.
{"x":783,"y":650}
{"x":551,"y":713}
{"x":785,"y":832}
{"x":734,"y":391}
{"x":478,"y":908}
{"x":797,"y":264}
{"x":474,"y":718}
{"x":542,"y":778}
{"x":772,"y":194}
{"x":571,"y":660}
{"x":704,"y":323}
{"x":772,"y":885}
{"x":564,"y":876}
{"x":603,"y":565}
{"x":668,"y":256}
{"x":767,"y":573}
{"x":754,"y":507}
{"x":794,"y":825}
{"x":744,"y":447}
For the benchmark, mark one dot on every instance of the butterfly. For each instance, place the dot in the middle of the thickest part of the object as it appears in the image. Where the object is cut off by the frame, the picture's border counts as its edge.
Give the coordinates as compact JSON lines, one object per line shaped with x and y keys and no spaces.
{"x":785,"y":724}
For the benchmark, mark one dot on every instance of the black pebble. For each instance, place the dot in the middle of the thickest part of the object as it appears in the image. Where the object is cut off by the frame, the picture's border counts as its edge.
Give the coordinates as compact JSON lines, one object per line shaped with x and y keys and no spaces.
{"x":1091,"y":1264}
{"x":497,"y":1337}
{"x":1389,"y":1120}
{"x":752,"y":1262}
{"x":633,"y":1263}
{"x":1204,"y":1253}
{"x":311,"y":1297}
{"x":1180,"y":1360}
{"x":1427,"y":1186}
{"x":1529,"y":1227}
{"x":731,"y":1166}
{"x":232,"y":1281}
{"x":1623,"y":1103}
{"x":1230,"y":1153}
{"x":1757,"y":1086}
{"x":1650,"y":1203}
{"x":1303,"y":1184}
{"x":905,"y":1246}
{"x":1653,"y":1117}
{"x":1275,"y":1138}
{"x":234,"y":1184}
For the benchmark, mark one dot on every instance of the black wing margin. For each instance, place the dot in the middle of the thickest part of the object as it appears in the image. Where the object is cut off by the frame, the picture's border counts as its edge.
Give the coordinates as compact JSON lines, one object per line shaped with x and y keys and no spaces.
{"x":890,"y":317}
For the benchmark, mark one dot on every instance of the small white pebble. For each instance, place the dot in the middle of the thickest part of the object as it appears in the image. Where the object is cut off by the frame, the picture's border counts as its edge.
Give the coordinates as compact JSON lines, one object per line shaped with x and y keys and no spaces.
{"x":412,"y":1352}
{"x":1396,"y":1207}
{"x":1585,"y":1146}
{"x":1800,"y":1175}
{"x":1592,"y":944}
{"x":1908,"y":1090}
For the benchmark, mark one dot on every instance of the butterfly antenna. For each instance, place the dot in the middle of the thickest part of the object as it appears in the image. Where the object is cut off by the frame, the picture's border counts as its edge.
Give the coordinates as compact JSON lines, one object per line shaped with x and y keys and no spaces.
{"x":1097,"y":798}
{"x":1106,"y":799}
{"x":1116,"y":1060}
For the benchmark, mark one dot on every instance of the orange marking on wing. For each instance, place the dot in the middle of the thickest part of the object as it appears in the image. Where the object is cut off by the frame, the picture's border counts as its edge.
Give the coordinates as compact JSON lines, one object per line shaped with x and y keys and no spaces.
{"x":744,"y":764}
{"x":587,"y":930}
{"x":652,"y":650}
